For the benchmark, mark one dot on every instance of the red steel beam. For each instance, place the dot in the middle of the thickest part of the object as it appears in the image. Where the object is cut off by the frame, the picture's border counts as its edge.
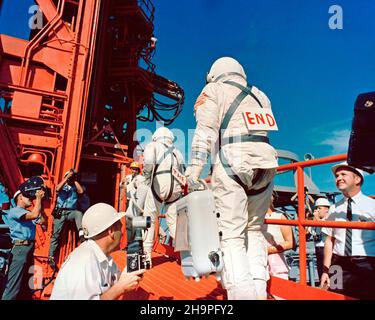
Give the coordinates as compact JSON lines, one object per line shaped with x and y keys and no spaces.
{"x":314,"y":162}
{"x":328,"y":224}
{"x":301,"y":228}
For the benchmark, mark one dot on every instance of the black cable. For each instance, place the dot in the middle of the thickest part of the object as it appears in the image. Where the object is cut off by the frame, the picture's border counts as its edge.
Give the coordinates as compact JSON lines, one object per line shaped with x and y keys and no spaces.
{"x":156,"y":107}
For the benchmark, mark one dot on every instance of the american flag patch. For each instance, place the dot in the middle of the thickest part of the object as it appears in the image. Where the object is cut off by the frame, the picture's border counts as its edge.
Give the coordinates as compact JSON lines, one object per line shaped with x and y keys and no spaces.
{"x":200,"y":100}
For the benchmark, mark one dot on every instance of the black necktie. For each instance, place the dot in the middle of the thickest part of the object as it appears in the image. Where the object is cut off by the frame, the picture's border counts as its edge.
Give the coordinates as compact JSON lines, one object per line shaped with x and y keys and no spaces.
{"x":348,"y":235}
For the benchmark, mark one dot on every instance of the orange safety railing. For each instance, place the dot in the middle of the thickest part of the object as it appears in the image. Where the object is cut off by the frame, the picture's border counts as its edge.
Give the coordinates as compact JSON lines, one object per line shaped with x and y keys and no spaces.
{"x":302,"y":222}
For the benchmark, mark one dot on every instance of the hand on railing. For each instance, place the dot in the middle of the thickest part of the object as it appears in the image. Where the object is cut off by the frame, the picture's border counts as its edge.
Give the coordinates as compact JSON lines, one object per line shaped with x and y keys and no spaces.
{"x":324,"y":280}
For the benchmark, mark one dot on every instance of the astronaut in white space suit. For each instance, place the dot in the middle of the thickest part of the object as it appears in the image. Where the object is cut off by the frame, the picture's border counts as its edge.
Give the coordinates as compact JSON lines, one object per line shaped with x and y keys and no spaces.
{"x":160,"y":156}
{"x":233,"y":120}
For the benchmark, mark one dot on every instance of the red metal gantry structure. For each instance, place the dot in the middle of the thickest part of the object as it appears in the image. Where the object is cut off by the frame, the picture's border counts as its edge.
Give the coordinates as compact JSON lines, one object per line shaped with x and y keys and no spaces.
{"x":71,"y":96}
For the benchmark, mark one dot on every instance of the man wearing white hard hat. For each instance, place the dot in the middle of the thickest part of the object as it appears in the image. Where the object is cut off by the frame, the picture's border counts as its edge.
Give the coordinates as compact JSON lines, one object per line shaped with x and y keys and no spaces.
{"x":160,"y":158}
{"x":233,"y":120}
{"x":320,"y":213}
{"x":89,"y":272}
{"x":349,"y":254}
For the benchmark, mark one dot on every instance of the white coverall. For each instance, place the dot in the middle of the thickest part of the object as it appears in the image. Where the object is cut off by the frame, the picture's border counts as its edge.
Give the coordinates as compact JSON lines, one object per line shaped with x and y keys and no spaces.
{"x":240,"y":216}
{"x":136,"y":191}
{"x":132,"y":183}
{"x":162,"y":186}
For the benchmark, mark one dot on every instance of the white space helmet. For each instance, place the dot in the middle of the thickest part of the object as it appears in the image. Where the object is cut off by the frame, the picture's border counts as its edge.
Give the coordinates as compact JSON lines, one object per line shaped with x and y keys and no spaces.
{"x":322,"y":202}
{"x":225,"y":66}
{"x":163,"y":133}
{"x":98,"y":218}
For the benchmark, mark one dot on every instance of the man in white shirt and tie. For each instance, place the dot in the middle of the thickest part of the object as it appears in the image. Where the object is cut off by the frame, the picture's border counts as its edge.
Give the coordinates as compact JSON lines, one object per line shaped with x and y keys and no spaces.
{"x":349,"y":254}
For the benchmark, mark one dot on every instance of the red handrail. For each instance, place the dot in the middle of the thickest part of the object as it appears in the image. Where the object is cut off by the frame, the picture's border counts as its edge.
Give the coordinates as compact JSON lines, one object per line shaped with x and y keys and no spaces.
{"x":314,"y":162}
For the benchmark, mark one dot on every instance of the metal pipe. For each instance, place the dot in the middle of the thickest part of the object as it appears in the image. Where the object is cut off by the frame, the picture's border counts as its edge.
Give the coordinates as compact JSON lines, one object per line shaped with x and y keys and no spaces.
{"x":311,"y":270}
{"x":30,"y":90}
{"x":31,"y":45}
{"x":314,"y":162}
{"x":328,"y":224}
{"x":89,"y":62}
{"x":301,"y":228}
{"x":27,"y":119}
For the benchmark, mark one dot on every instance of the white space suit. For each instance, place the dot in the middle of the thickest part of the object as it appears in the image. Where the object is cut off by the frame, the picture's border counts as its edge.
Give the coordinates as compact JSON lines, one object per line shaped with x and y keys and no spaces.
{"x":243,"y":186}
{"x":159,"y":157}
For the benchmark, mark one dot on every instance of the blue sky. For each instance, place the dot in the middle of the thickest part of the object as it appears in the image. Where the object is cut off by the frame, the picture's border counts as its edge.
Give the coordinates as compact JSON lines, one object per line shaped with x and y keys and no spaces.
{"x":312,"y":74}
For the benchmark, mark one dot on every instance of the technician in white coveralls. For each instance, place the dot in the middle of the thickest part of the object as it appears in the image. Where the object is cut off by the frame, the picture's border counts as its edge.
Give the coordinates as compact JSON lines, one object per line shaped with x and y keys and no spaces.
{"x":160,"y":156}
{"x":134,"y":179}
{"x":226,"y":111}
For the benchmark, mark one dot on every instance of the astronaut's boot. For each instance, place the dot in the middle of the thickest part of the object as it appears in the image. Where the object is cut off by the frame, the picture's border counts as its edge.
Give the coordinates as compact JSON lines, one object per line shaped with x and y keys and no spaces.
{"x":148,"y":243}
{"x":236,"y":276}
{"x":257,"y":259}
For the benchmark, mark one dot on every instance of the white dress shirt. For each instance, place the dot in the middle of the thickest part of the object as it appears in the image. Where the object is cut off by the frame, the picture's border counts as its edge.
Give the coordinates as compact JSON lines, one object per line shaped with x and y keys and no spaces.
{"x":86,"y":274}
{"x":363,"y":241}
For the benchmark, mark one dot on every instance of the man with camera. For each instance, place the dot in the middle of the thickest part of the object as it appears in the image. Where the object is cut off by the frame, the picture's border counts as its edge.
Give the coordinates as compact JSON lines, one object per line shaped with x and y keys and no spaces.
{"x":66,"y":210}
{"x":89,"y":273}
{"x":22,"y":225}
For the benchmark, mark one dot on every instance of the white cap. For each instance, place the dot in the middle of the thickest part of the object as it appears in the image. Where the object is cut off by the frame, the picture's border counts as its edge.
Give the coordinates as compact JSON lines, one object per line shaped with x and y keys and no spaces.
{"x":344,"y":165}
{"x":16,"y":194}
{"x":322,"y":202}
{"x":98,"y":218}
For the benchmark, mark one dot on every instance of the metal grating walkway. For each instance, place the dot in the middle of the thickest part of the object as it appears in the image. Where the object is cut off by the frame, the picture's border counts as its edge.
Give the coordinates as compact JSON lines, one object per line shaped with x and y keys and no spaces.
{"x":165,"y":281}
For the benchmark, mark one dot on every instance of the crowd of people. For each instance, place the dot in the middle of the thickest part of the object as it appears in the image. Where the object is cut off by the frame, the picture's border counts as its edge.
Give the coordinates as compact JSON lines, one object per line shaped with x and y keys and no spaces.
{"x":243,"y":168}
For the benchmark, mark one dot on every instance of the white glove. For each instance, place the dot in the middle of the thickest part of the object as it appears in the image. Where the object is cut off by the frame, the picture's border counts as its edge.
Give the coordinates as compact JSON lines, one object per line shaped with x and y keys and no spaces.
{"x":147,"y":173}
{"x":193,"y":172}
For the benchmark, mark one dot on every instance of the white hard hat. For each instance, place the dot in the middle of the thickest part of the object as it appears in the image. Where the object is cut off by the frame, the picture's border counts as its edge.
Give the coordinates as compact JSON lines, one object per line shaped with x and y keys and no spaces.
{"x":163,"y":133}
{"x":223,"y":67}
{"x":322,"y":202}
{"x":98,"y":218}
{"x":344,"y":165}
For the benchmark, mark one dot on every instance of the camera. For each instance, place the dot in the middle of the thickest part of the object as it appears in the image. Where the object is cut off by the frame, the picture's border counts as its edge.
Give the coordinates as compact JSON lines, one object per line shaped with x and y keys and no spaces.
{"x":73,"y":177}
{"x":32,"y":185}
{"x":137,"y":261}
{"x":136,"y":258}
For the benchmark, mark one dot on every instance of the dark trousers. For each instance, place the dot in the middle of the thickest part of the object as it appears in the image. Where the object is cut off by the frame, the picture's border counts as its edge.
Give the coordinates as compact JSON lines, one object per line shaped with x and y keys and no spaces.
{"x":358,"y":276}
{"x":319,"y":253}
{"x":58,"y":224}
{"x":18,"y":279}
